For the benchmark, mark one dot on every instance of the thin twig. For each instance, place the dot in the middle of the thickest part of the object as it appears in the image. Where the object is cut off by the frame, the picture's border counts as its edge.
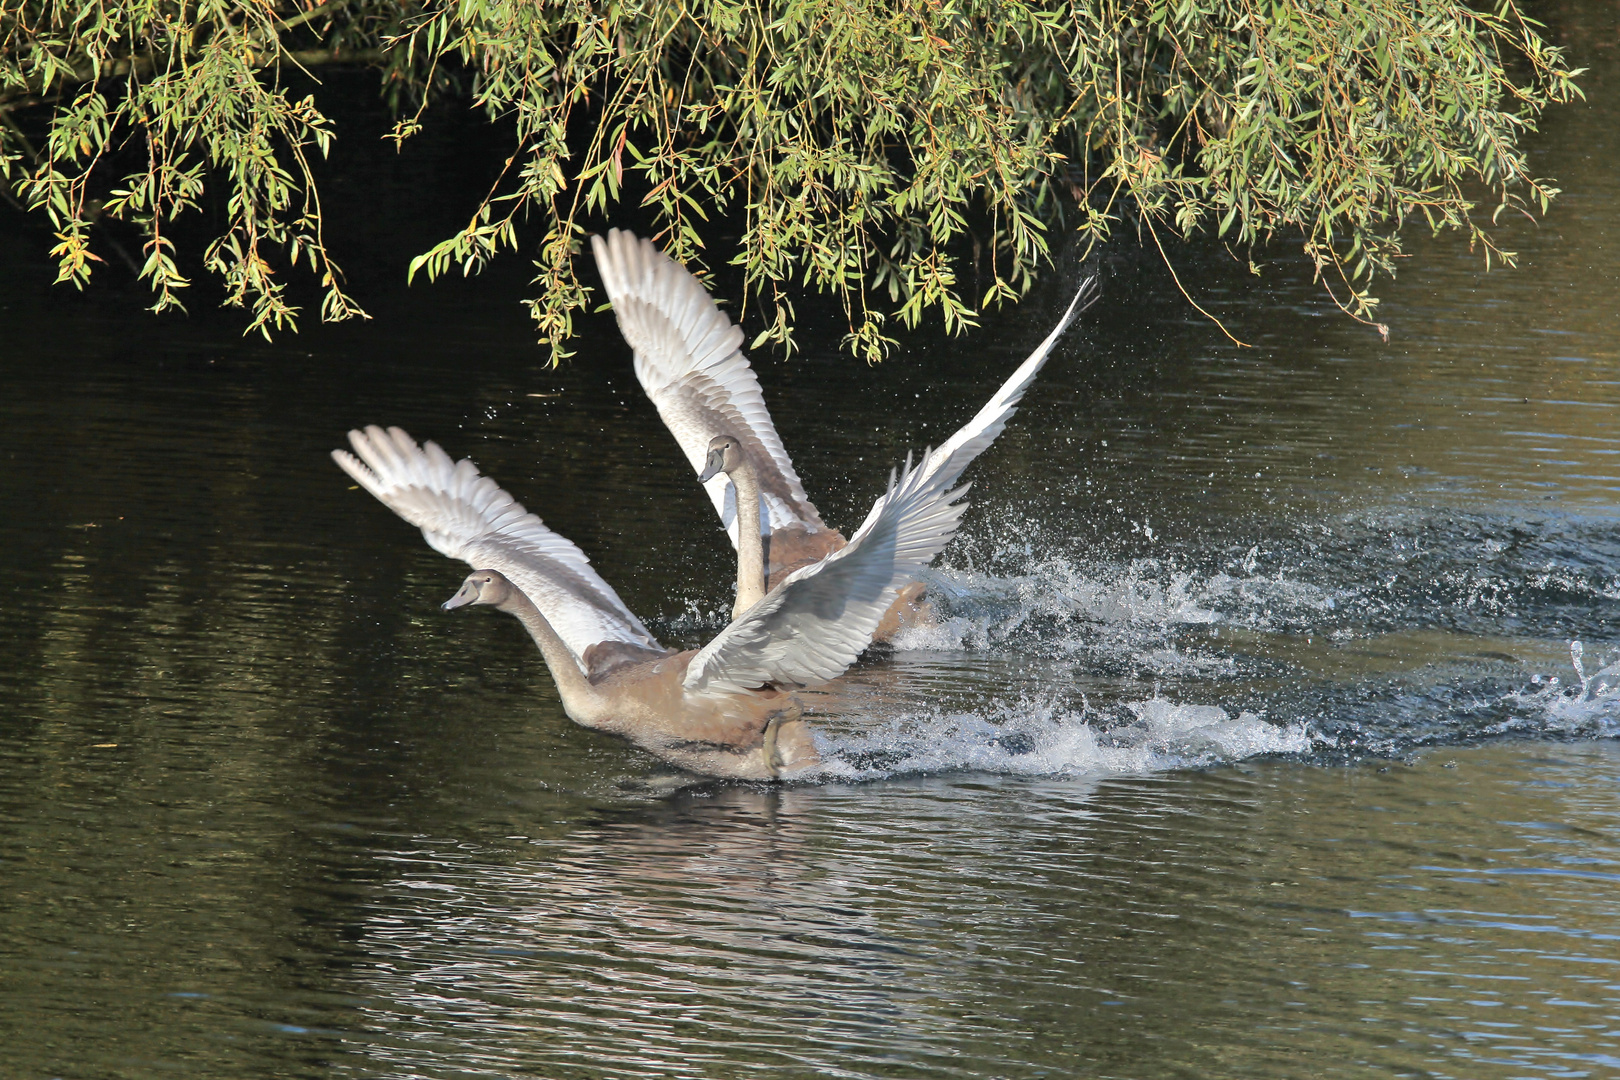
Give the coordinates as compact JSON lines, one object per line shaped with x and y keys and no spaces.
{"x":331,"y":7}
{"x":1148,"y":220}
{"x":27,"y":147}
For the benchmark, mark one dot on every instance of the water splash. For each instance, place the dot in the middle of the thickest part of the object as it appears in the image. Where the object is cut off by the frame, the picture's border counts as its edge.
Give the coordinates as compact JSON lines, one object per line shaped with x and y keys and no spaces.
{"x":1590,"y":709}
{"x":1039,"y":738}
{"x":1371,"y":634}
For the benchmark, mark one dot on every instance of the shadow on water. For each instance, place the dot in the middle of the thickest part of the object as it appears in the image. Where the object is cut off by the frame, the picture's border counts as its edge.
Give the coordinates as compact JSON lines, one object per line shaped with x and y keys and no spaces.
{"x":1254,"y":732}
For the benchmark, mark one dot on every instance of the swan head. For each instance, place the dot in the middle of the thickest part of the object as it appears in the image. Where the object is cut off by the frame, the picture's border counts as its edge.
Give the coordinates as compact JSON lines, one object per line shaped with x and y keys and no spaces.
{"x":481,"y":587}
{"x":725,"y":454}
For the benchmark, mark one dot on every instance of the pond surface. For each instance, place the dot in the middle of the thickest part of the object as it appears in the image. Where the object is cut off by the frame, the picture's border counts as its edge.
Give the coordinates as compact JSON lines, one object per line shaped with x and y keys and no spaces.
{"x":1271,"y":731}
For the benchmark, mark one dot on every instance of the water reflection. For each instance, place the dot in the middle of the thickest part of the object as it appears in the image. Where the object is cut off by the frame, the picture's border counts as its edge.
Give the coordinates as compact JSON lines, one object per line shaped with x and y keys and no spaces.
{"x":1017,"y":928}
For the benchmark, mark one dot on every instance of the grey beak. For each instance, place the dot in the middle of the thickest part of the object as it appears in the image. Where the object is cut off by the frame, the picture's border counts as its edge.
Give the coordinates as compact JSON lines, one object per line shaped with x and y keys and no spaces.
{"x":717,"y":460}
{"x":464,"y":596}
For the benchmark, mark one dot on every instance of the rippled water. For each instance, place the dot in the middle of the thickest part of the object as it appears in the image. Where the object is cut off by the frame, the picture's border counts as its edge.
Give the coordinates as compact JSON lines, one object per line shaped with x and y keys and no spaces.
{"x":1269,"y":732}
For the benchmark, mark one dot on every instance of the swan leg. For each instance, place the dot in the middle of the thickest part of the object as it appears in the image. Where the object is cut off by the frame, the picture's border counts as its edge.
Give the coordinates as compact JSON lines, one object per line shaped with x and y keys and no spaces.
{"x":773,"y":757}
{"x":773,"y":728}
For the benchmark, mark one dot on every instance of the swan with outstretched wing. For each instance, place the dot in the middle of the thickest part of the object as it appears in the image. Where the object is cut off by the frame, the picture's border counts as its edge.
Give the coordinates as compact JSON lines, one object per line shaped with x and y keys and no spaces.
{"x":689,"y":359}
{"x":725,"y":710}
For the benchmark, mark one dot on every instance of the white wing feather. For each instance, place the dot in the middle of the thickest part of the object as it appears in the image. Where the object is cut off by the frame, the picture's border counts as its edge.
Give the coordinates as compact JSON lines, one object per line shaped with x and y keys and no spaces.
{"x":944,"y":465}
{"x":690,"y":362}
{"x":468,"y":517}
{"x":813,"y":625}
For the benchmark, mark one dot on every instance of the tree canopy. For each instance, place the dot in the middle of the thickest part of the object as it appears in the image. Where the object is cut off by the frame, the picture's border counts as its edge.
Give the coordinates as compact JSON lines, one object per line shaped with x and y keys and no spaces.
{"x":871,"y":148}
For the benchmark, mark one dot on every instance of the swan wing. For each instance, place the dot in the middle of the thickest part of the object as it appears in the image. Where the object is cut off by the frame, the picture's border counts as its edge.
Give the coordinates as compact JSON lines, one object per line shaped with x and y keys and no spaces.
{"x":467,"y":516}
{"x":690,"y":362}
{"x":945,"y":464}
{"x":813,"y":625}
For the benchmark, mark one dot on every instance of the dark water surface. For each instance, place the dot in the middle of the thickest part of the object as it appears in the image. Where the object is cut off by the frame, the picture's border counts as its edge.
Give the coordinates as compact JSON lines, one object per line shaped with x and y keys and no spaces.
{"x":1270,"y":734}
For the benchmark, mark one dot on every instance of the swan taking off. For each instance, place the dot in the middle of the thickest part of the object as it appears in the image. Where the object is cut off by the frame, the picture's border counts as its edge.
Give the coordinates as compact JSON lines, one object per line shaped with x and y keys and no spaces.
{"x":724,"y":710}
{"x":689,"y":360}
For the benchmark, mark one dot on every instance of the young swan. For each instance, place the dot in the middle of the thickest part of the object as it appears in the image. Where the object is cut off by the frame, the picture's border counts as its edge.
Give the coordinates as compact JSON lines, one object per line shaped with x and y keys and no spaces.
{"x":757,"y":735}
{"x":727,"y":456}
{"x":689,"y":359}
{"x":724,"y":710}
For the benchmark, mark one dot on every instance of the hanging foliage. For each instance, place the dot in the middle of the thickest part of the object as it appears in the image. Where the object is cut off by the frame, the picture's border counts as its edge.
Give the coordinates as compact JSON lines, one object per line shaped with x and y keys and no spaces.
{"x":888,"y":152}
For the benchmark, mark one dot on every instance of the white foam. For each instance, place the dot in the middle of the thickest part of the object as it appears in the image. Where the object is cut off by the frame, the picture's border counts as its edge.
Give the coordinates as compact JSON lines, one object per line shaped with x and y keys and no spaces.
{"x":1135,"y":606}
{"x":1588,"y":706}
{"x":1035,"y":738}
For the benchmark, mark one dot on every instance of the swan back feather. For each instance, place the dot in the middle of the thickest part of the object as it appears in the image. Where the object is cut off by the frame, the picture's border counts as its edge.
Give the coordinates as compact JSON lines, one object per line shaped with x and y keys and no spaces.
{"x":813,"y":625}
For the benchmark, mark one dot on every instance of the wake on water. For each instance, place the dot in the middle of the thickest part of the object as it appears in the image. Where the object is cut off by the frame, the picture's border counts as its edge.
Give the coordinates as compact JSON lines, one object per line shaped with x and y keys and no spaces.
{"x":1034,"y":739}
{"x":1372,"y":635}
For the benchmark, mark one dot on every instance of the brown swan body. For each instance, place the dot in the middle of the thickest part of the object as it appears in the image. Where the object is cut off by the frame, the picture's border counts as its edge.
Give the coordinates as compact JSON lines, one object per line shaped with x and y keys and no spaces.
{"x":758,"y":734}
{"x":764,"y":560}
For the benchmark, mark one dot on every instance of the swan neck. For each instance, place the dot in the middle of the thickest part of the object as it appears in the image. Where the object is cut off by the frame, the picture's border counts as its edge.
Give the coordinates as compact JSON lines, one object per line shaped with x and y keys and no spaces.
{"x":582,"y":701}
{"x":750,"y":547}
